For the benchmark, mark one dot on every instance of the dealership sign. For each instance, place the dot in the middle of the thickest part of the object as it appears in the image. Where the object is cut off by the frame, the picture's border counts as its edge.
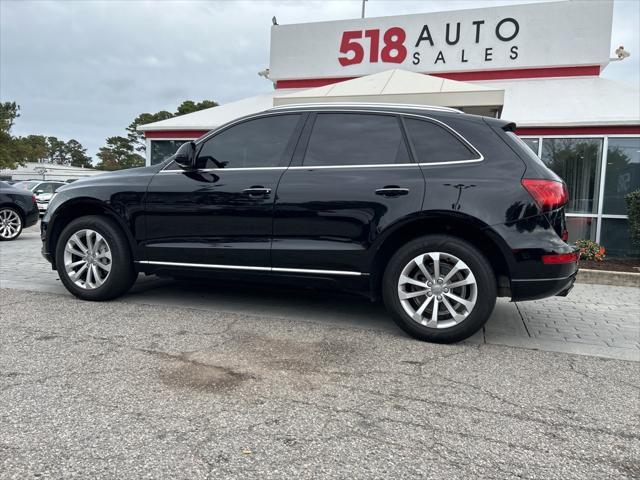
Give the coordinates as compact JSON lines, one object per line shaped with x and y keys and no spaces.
{"x":542,"y":35}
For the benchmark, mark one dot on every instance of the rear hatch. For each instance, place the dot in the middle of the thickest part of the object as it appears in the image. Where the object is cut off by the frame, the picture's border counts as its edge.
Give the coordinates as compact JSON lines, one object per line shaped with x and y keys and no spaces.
{"x":547,"y":189}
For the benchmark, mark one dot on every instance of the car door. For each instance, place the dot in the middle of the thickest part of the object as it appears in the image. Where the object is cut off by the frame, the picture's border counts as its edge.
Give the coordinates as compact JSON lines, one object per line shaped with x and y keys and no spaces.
{"x":351,"y":179}
{"x":219,"y":215}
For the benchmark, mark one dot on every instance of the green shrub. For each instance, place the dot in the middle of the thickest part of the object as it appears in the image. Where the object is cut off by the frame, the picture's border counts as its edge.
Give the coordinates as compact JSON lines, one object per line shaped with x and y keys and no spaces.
{"x":633,"y":211}
{"x":590,"y":250}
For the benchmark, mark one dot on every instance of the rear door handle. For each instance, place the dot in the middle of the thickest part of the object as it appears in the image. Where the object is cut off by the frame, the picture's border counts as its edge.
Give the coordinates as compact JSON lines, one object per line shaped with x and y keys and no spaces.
{"x":392,"y":191}
{"x":257,"y":190}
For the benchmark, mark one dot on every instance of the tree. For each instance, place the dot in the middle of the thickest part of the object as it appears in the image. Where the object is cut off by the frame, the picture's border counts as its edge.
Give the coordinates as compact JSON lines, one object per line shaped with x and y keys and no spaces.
{"x":136,"y":138}
{"x":57,"y":151}
{"x":119,"y":153}
{"x":9,"y":111}
{"x":189,"y":106}
{"x":77,"y":154}
{"x":16,"y":151}
{"x":33,"y":148}
{"x":10,"y":149}
{"x":633,"y":211}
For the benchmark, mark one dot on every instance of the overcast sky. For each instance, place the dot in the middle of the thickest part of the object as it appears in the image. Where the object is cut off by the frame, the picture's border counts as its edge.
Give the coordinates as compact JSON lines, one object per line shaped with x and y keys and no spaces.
{"x":86,"y":69}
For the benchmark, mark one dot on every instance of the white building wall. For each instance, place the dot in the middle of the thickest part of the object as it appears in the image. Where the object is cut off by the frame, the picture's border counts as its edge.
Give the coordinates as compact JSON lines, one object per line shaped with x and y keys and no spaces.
{"x":47,"y":171}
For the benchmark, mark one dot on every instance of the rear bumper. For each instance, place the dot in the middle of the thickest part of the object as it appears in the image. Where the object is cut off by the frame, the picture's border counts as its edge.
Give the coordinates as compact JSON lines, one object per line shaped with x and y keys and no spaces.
{"x":32,"y":217}
{"x":535,"y":289}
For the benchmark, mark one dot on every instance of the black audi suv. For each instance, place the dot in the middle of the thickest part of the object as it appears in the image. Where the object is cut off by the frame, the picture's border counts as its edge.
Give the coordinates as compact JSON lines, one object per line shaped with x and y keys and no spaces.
{"x":432,"y":210}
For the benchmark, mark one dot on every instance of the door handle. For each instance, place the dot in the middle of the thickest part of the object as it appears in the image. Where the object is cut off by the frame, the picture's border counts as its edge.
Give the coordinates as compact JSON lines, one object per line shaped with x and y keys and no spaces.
{"x":392,"y":191}
{"x":257,"y":190}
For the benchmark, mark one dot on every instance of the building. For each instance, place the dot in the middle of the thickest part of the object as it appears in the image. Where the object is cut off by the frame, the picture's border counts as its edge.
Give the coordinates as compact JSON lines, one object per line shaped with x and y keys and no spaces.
{"x":46,"y":171}
{"x":537,"y":64}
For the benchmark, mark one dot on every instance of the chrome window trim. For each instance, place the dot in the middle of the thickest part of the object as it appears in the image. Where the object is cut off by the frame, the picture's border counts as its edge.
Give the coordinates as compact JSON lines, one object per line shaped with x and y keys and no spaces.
{"x":166,"y":170}
{"x":269,"y":113}
{"x":376,"y":165}
{"x":249,"y":267}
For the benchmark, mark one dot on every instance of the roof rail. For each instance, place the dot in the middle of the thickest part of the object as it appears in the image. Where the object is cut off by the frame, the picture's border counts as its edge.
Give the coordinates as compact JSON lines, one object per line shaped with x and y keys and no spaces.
{"x":366,"y":104}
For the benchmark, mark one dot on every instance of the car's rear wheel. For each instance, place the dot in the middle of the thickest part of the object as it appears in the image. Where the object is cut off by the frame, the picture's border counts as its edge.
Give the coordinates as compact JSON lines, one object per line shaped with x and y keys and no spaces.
{"x":10,"y":224}
{"x":439,"y":288}
{"x":93,"y":259}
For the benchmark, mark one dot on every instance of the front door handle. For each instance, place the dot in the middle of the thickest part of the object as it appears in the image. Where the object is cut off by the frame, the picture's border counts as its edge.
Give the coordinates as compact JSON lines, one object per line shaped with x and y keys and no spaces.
{"x":392,"y":191}
{"x":257,"y":190}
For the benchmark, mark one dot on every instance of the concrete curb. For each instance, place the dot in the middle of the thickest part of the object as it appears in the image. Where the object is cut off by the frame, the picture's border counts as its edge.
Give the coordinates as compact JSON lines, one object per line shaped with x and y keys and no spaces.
{"x":606,"y":277}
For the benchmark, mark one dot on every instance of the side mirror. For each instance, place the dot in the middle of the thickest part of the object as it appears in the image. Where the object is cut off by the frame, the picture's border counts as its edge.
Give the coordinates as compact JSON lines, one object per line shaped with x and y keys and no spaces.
{"x":39,"y":192}
{"x":186,"y":155}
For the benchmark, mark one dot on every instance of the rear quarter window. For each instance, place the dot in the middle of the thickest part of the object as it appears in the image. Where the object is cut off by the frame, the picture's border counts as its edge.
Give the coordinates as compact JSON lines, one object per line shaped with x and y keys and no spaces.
{"x":436,"y":144}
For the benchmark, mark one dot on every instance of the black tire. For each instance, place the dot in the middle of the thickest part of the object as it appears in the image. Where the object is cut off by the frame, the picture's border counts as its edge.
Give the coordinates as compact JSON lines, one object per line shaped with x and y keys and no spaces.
{"x":477,"y":263}
{"x":122,"y":274}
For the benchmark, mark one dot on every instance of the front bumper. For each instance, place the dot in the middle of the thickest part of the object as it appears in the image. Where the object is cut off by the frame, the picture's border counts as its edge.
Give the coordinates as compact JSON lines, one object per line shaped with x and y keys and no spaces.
{"x":42,"y":208}
{"x":48,"y":256}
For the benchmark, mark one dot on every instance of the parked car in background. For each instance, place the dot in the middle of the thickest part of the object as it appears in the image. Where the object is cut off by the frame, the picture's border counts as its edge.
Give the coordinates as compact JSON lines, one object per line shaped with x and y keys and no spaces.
{"x":436,"y":211}
{"x":43,"y":190}
{"x":18,"y":210}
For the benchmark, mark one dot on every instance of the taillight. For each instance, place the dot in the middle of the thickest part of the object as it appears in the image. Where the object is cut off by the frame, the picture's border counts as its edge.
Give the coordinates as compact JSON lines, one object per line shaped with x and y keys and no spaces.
{"x":557,"y":258}
{"x":548,"y":194}
{"x":33,"y":197}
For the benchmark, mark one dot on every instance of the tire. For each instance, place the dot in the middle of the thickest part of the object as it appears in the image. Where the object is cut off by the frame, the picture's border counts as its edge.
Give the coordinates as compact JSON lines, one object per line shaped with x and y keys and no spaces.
{"x":474,"y":285}
{"x":11,"y":224}
{"x":108,"y":283}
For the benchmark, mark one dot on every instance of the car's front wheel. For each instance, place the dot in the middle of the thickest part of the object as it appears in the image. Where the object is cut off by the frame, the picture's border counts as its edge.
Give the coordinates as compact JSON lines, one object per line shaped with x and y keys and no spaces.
{"x":439,"y":288}
{"x":93,"y":259}
{"x":10,"y":223}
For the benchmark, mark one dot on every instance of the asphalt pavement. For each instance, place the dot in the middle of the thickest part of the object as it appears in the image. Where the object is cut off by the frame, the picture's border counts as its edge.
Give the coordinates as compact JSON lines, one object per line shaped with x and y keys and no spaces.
{"x":122,"y":390}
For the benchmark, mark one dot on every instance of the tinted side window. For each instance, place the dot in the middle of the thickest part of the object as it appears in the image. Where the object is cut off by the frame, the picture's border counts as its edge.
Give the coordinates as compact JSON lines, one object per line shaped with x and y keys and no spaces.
{"x":355,"y":139}
{"x":255,"y":143}
{"x":434,"y":143}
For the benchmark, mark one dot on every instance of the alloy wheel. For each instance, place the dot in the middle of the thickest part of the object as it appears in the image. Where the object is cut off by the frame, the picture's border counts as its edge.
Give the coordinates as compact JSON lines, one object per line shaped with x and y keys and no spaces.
{"x":10,"y":223}
{"x":87,"y":259}
{"x":437,"y":290}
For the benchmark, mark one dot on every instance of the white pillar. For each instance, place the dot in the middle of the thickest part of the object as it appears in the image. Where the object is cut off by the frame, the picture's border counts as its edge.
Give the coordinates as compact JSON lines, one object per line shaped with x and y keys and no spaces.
{"x":147,"y":151}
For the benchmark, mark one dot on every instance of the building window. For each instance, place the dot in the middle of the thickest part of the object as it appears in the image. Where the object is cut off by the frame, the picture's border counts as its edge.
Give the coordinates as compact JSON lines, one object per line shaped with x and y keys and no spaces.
{"x":614,"y":236}
{"x":162,"y":149}
{"x":581,"y":228}
{"x":622,"y":174}
{"x":532,"y":143}
{"x":577,"y":162}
